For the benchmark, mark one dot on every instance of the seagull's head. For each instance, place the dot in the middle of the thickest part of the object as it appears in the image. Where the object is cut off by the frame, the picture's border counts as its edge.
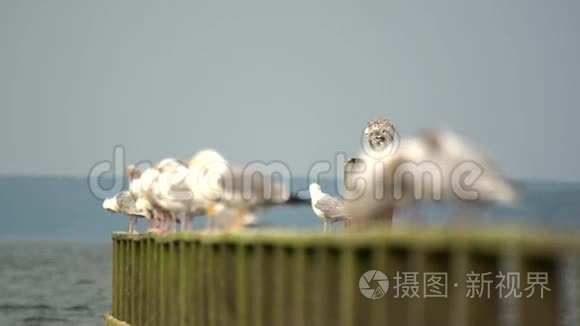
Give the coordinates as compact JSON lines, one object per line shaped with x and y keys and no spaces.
{"x":208,"y":162}
{"x":132,"y":172}
{"x":168,"y":164}
{"x":206,"y":169}
{"x":110,"y":204}
{"x":314,"y":188}
{"x":379,"y":133}
{"x":204,"y":158}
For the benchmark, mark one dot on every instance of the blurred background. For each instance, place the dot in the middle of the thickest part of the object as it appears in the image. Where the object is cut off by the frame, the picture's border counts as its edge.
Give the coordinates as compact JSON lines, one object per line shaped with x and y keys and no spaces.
{"x":260,"y":80}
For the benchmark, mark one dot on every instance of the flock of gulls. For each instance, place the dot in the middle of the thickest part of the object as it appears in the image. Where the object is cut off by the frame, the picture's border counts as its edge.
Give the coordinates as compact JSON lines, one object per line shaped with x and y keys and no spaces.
{"x":174,"y":192}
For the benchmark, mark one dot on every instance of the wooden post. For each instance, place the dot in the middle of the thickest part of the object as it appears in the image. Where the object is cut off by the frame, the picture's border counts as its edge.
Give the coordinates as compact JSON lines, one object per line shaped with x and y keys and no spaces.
{"x":299,"y":278}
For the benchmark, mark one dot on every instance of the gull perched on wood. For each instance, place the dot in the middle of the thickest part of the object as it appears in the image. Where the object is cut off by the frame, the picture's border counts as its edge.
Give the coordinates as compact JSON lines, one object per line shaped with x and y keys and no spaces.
{"x":437,"y":165}
{"x":124,"y":203}
{"x":226,"y":217}
{"x":140,"y":185}
{"x":328,"y":208}
{"x":246,"y":190}
{"x":172,"y":193}
{"x":206,"y":168}
{"x":242,"y":190}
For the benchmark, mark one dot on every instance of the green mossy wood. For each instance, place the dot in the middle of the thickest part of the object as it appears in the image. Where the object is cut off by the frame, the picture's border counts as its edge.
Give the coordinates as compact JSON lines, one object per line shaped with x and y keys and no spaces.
{"x":284,"y":278}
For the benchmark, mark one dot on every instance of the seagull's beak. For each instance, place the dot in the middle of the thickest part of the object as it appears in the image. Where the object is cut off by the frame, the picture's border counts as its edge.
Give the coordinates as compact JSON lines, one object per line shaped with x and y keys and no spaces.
{"x":111,"y":205}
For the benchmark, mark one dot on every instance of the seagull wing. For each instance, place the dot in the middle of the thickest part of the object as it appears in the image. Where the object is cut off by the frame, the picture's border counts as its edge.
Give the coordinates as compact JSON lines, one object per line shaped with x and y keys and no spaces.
{"x":252,"y":189}
{"x":126,"y":204}
{"x":442,"y":157}
{"x":331,"y":207}
{"x":171,"y":190}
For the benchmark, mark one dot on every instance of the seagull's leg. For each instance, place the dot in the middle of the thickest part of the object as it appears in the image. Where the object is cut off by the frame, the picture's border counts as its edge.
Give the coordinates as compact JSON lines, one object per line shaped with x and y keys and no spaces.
{"x":151,"y":222}
{"x":163,"y":221}
{"x":187,"y":222}
{"x":160,"y":220}
{"x":210,"y":212}
{"x":208,"y":223}
{"x":153,"y":219}
{"x":133,"y":224}
{"x":173,"y":222}
{"x":388,"y":216}
{"x":325,"y":226}
{"x":238,"y":219}
{"x":190,"y":219}
{"x":157,"y":219}
{"x":155,"y":224}
{"x":184,"y":221}
{"x":168,"y":222}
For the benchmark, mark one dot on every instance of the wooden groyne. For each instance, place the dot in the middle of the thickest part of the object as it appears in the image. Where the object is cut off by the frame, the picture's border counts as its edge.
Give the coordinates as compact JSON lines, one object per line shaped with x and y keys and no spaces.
{"x":269,"y":278}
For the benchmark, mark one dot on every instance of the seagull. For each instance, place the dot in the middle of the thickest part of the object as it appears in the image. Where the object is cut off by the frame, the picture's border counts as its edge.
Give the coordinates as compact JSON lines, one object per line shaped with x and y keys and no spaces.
{"x":173,"y":194}
{"x":242,"y":190}
{"x":124,"y":202}
{"x":225,"y":217}
{"x":328,"y":208}
{"x":140,"y":185}
{"x":247,"y":191}
{"x":206,"y":168}
{"x":437,"y":165}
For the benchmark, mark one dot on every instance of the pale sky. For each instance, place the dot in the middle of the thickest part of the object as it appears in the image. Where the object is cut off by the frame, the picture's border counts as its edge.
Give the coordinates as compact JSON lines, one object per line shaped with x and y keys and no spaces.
{"x":285,"y":80}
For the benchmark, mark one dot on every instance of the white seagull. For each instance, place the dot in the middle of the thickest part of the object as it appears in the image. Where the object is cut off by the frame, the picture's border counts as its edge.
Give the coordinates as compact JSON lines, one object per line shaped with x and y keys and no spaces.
{"x":173,"y":194}
{"x":246,"y":191}
{"x":206,"y":168}
{"x":437,"y":165}
{"x":140,"y":188}
{"x":124,"y":203}
{"x":239,"y":189}
{"x":328,"y":208}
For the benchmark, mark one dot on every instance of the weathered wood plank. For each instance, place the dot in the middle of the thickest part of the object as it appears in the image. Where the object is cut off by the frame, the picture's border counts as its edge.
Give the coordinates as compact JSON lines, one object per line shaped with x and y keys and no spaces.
{"x":275,"y":278}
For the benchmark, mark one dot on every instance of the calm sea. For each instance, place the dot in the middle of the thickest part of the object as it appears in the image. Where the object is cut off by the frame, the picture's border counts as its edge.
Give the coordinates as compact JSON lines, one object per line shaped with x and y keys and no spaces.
{"x":54,"y":282}
{"x":55,"y":255}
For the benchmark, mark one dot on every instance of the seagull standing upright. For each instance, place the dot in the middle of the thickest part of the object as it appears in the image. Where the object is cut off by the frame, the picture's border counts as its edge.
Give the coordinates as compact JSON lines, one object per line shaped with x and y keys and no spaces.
{"x":328,"y":208}
{"x":140,"y":188}
{"x":172,"y":193}
{"x":245,"y":191}
{"x":235,"y":190}
{"x":124,"y":202}
{"x":206,"y":168}
{"x":437,"y":165}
